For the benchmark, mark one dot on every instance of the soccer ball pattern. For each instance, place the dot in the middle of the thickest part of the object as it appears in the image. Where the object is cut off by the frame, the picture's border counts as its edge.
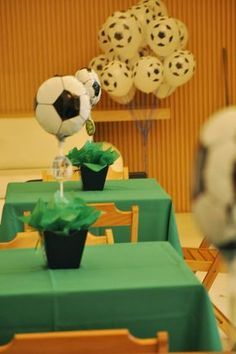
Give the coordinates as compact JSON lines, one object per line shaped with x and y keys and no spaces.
{"x":116,"y":78}
{"x":148,"y":74}
{"x":90,"y":80}
{"x":179,"y":67}
{"x":62,"y":106}
{"x":163,"y":36}
{"x":214,"y":197}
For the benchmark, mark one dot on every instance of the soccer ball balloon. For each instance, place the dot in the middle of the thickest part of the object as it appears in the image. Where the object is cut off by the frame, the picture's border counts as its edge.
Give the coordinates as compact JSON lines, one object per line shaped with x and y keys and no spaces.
{"x":124,"y":33}
{"x":90,"y":80}
{"x":157,"y":6}
{"x":214,"y":197}
{"x":98,"y":63}
{"x":148,"y":74}
{"x":179,"y":67}
{"x":62,"y":106}
{"x":163,"y":36}
{"x":116,"y":78}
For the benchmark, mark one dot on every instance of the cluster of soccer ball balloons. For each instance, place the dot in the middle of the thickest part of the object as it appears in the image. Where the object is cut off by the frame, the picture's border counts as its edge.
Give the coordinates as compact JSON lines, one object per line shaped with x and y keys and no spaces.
{"x":63,"y":103}
{"x":143,"y":48}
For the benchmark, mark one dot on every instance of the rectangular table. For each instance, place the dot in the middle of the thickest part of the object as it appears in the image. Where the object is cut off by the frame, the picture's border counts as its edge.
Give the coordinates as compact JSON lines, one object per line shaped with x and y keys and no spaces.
{"x":156,"y":212}
{"x":145,"y":287}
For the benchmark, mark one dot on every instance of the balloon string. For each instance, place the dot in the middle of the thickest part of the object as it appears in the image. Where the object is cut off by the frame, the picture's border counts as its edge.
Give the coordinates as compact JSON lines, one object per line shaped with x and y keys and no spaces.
{"x":61,"y":147}
{"x":61,"y":153}
{"x":145,"y":122}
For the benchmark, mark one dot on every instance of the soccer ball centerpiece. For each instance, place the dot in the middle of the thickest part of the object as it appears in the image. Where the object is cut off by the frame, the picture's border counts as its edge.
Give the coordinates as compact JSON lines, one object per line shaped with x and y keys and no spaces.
{"x":62,"y":106}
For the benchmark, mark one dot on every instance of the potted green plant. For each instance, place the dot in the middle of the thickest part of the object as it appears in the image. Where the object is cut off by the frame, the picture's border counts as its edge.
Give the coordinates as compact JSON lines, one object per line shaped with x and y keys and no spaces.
{"x":93,"y":161}
{"x":63,"y":225}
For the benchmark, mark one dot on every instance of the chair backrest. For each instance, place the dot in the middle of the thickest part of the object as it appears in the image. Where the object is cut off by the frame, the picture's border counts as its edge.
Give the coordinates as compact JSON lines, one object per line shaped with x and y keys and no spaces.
{"x":113,"y":174}
{"x":113,"y":216}
{"x":27,"y":239}
{"x":114,"y":341}
{"x":92,"y":240}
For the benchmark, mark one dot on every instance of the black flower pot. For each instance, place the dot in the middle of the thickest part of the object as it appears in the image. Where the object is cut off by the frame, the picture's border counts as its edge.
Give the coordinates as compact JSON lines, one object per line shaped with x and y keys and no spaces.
{"x":93,"y":180}
{"x":64,"y":252}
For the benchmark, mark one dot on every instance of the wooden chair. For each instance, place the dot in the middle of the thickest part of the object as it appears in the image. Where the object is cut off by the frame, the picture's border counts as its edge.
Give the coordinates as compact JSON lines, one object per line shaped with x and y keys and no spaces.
{"x":113,"y":216}
{"x":209,"y":260}
{"x":27,"y":239}
{"x":112,"y":341}
{"x":205,"y":259}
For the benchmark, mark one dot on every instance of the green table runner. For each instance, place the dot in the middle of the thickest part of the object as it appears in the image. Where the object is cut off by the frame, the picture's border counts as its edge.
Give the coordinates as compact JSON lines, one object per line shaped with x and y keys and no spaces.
{"x":156,"y":212}
{"x":144,"y":287}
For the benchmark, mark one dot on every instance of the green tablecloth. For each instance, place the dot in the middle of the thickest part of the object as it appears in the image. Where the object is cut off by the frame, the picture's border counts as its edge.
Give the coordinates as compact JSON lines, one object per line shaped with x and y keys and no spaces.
{"x":156,"y":220}
{"x":144,"y":287}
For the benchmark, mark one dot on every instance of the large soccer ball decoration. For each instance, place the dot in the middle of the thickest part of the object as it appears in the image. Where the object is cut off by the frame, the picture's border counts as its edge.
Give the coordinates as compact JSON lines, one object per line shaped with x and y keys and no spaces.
{"x":62,"y":106}
{"x":90,"y":80}
{"x":214,"y":190}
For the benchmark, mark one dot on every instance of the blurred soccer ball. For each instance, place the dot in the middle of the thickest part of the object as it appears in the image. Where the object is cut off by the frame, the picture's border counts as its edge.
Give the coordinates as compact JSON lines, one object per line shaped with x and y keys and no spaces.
{"x":214,"y":192}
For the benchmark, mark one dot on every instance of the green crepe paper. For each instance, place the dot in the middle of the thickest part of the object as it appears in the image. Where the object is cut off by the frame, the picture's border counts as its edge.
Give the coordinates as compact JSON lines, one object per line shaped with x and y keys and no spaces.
{"x":62,"y":215}
{"x":93,"y":156}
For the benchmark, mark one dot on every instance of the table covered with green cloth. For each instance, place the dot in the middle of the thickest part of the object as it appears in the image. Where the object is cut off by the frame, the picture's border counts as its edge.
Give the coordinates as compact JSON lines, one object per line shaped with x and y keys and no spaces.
{"x":156,"y":212}
{"x":145,"y":287}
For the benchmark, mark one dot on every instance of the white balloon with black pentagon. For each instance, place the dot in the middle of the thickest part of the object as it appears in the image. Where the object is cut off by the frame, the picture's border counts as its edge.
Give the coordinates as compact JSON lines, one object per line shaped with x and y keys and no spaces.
{"x":164,"y":90}
{"x":98,"y":63}
{"x":183,"y":34}
{"x":144,"y":15}
{"x":62,"y":106}
{"x":157,"y":6}
{"x":163,"y":36}
{"x":124,"y":33}
{"x":103,"y":41}
{"x":116,"y":78}
{"x":214,"y":187}
{"x":148,"y":74}
{"x":90,"y":80}
{"x":179,"y":67}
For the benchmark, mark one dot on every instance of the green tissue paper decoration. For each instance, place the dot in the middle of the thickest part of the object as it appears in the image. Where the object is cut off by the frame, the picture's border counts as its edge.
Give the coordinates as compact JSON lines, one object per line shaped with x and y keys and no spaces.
{"x":62,"y":215}
{"x":93,"y":156}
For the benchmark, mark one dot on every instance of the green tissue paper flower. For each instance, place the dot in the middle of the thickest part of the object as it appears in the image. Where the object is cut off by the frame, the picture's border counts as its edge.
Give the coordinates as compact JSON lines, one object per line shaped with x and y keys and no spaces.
{"x":62,"y":215}
{"x":93,"y":156}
